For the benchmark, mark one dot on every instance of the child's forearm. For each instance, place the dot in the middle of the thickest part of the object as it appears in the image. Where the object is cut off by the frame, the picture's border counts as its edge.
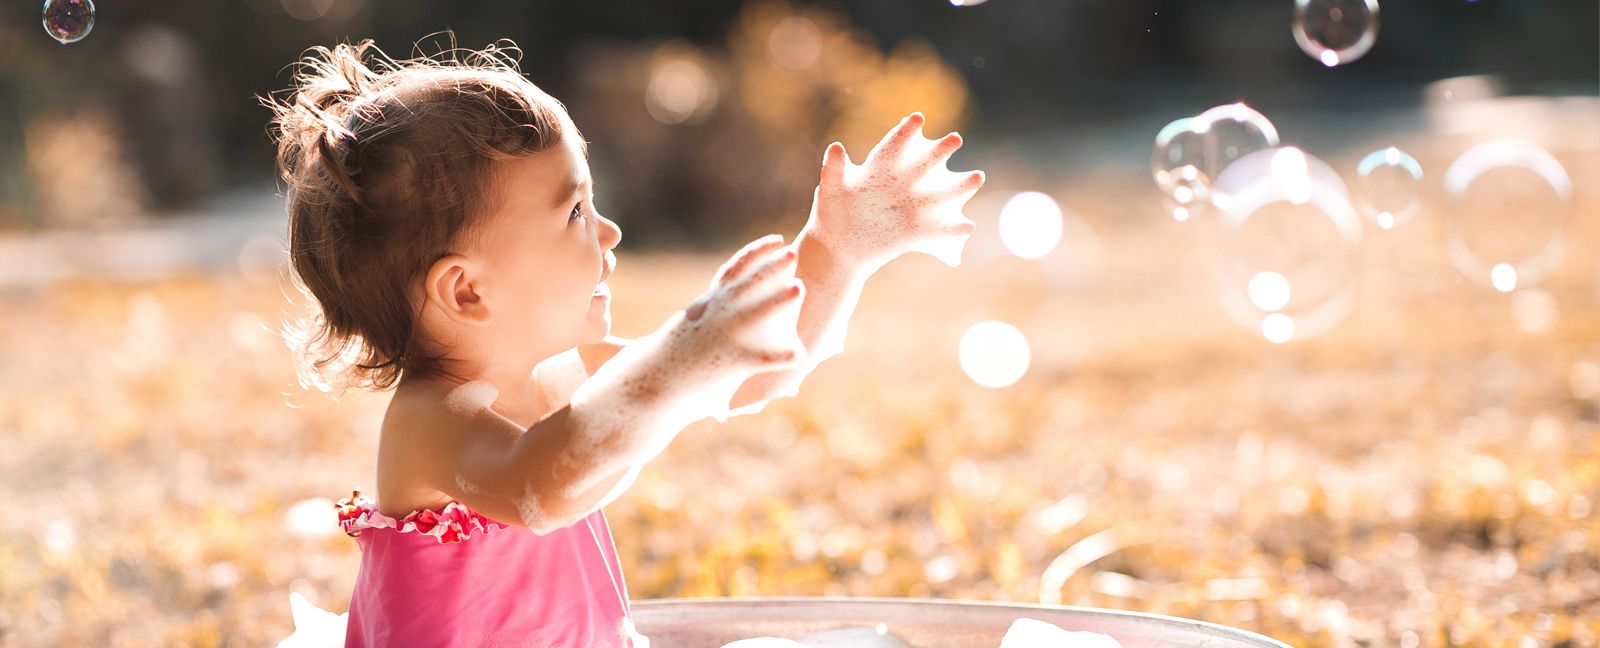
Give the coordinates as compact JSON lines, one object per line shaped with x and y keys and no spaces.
{"x":832,"y":289}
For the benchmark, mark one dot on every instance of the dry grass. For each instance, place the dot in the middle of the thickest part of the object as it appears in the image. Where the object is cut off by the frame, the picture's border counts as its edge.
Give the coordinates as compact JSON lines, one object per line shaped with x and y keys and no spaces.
{"x":1425,"y":468}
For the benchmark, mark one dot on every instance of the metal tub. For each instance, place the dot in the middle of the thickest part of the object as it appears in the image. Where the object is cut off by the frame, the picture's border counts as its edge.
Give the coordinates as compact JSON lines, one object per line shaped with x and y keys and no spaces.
{"x":920,"y":623}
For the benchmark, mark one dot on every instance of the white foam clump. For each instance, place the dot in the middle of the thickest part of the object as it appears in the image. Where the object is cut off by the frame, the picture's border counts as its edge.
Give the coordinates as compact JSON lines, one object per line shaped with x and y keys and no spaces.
{"x":314,"y":627}
{"x":1033,"y":633}
{"x":471,"y":397}
{"x":1023,"y":633}
{"x":764,"y":642}
{"x":466,"y":486}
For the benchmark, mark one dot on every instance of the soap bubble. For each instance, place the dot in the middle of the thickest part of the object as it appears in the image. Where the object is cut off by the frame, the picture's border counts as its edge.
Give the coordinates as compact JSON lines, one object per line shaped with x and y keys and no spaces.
{"x":993,"y":354}
{"x":1030,"y":225}
{"x":1335,"y":31}
{"x":1507,"y":204}
{"x":1176,"y":161}
{"x":1389,"y":187}
{"x":1190,"y":153}
{"x":68,"y":21}
{"x":1232,"y":131}
{"x":1287,"y":240}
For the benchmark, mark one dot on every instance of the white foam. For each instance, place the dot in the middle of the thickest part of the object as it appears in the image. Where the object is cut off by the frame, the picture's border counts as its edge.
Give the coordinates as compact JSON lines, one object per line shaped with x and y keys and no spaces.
{"x":466,"y":486}
{"x":1033,"y":633}
{"x":471,"y":397}
{"x":882,"y":191}
{"x":636,"y":404}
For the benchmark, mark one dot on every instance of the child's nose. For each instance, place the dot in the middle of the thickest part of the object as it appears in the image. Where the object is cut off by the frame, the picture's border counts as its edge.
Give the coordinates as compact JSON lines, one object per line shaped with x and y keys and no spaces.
{"x":610,"y":233}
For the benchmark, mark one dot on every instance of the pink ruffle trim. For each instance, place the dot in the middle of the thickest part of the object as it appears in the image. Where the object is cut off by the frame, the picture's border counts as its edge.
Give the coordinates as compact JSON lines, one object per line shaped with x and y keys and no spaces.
{"x":454,"y":524}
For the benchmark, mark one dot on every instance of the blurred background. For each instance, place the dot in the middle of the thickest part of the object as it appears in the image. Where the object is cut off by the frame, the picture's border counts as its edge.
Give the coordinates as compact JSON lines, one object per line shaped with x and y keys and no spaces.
{"x":1116,"y":400}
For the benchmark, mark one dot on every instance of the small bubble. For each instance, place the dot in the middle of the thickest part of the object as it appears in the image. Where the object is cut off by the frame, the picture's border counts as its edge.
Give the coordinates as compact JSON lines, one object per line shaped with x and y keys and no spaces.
{"x":68,"y":21}
{"x":1389,"y":187}
{"x":1335,"y":31}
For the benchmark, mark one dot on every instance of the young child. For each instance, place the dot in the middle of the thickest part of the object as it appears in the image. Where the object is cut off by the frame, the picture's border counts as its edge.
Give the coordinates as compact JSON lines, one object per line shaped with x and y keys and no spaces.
{"x":442,"y":223}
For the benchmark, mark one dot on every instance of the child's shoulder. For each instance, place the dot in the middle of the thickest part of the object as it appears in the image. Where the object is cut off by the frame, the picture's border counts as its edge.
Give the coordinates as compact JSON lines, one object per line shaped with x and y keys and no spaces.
{"x":413,"y":427}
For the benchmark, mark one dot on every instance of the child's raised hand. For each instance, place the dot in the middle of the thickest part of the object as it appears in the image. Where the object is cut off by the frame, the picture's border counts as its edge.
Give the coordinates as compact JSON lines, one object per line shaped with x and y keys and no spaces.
{"x":745,"y":323}
{"x":901,"y":199}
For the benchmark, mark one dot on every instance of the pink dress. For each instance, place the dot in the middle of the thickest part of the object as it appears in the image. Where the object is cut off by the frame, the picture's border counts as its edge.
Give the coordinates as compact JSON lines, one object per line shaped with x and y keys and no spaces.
{"x":458,"y":578}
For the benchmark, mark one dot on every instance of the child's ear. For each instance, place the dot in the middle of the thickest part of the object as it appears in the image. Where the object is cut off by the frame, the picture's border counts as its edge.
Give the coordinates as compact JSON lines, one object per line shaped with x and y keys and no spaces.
{"x":452,"y":286}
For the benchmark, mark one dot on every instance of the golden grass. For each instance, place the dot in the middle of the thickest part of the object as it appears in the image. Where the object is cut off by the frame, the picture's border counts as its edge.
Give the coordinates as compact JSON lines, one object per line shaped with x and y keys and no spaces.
{"x":1426,"y":468}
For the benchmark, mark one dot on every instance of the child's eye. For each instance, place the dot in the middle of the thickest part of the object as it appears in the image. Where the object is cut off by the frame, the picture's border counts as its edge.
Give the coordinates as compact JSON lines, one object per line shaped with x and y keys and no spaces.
{"x":577,"y":211}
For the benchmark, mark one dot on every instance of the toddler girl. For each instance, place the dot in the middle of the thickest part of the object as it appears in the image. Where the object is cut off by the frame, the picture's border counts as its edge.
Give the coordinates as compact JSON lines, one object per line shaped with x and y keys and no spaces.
{"x":442,"y":226}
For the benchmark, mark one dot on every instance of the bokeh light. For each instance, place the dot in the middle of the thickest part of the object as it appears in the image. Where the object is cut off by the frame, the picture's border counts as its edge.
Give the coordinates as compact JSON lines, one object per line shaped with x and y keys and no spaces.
{"x":1269,"y":291}
{"x":1335,"y":32}
{"x":993,"y":354}
{"x":1030,"y":225}
{"x":682,"y":89}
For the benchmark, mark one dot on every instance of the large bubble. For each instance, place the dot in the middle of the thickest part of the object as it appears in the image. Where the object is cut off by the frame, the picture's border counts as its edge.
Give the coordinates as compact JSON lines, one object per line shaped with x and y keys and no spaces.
{"x":1505,"y":215}
{"x":1389,"y":187}
{"x":1190,"y":153}
{"x":1286,"y":244}
{"x":1335,"y":31}
{"x":68,"y":21}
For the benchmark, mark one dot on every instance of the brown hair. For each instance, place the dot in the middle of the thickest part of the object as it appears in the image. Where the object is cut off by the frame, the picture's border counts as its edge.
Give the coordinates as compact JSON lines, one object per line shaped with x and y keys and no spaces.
{"x":388,"y":167}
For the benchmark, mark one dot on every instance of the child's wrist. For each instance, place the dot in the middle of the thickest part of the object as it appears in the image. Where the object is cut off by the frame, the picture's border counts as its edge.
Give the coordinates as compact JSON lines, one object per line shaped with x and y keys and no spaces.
{"x":823,"y":260}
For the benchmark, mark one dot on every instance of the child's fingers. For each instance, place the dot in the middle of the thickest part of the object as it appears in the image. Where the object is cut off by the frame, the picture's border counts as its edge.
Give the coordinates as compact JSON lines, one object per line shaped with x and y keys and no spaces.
{"x":769,"y":360}
{"x":781,"y":263}
{"x":741,"y":259}
{"x":833,"y":160}
{"x":942,"y":150}
{"x":969,"y":185}
{"x":791,"y":291}
{"x":896,"y":139}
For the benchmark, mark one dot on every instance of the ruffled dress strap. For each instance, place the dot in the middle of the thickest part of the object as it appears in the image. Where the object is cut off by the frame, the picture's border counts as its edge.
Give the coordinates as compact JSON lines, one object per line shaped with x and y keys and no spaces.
{"x":454,"y":523}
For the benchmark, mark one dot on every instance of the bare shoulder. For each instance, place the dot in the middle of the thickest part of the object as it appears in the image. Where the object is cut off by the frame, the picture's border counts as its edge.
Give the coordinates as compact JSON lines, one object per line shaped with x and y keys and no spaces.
{"x":418,"y":428}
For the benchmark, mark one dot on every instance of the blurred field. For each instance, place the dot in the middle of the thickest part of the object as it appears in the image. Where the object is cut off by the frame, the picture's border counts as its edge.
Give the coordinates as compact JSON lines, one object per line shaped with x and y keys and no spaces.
{"x":1426,"y":474}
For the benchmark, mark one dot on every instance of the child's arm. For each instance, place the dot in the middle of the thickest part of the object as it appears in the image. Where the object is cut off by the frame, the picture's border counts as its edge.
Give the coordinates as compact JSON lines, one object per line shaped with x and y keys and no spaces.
{"x":580,"y":457}
{"x":901,"y":199}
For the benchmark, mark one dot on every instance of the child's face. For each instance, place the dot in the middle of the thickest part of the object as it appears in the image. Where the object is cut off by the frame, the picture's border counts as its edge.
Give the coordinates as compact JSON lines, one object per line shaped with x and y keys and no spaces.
{"x":546,"y":249}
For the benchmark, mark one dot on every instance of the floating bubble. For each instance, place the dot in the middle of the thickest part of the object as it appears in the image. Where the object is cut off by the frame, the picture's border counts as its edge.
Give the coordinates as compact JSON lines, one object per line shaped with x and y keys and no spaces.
{"x":68,"y":21}
{"x":1232,"y":131}
{"x":1507,"y":204}
{"x":1389,"y":187}
{"x":1335,"y":31}
{"x":1191,"y":152}
{"x":993,"y":354}
{"x":1030,"y":225}
{"x":1288,"y":223}
{"x":1178,"y":156}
